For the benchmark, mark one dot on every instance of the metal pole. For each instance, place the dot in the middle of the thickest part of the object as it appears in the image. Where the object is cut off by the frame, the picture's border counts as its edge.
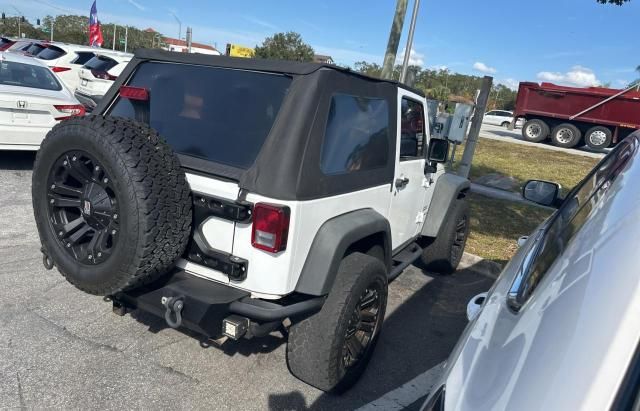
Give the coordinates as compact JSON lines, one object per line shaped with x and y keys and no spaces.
{"x":114,"y":36}
{"x":19,"y":36}
{"x":179,"y":24}
{"x":474,"y":131}
{"x":126,"y":37}
{"x":51,"y":28}
{"x":394,"y":39}
{"x":407,"y":50}
{"x":189,"y":39}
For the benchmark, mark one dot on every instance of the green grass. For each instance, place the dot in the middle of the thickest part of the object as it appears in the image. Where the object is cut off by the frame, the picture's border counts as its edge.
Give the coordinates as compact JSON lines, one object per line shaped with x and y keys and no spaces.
{"x":496,"y":225}
{"x":527,"y":163}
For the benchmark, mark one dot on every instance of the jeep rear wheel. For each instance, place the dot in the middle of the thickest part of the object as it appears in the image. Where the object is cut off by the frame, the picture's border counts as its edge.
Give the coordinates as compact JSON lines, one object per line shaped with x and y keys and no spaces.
{"x":443,"y":253}
{"x":331,"y":349}
{"x":111,"y":203}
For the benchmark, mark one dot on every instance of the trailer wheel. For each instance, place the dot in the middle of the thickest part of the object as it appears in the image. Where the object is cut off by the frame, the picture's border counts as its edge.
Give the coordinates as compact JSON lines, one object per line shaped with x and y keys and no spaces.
{"x":535,"y":130}
{"x":598,"y":137}
{"x":566,"y":135}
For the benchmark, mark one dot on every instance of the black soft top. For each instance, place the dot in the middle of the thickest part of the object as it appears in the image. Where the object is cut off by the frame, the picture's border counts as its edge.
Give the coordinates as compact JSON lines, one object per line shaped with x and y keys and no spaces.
{"x":270,"y":66}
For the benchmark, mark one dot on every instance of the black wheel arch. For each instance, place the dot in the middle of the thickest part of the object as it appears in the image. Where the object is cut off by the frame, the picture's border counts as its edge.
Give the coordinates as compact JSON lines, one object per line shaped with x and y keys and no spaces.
{"x":363,"y":230}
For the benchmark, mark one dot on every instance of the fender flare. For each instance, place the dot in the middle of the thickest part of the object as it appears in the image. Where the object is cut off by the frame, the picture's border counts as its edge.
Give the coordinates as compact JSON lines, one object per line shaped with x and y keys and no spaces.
{"x":331,"y":243}
{"x":447,"y":190}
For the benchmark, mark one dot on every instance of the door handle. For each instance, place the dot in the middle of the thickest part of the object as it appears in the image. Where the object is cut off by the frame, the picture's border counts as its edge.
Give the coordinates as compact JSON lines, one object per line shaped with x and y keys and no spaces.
{"x":401,"y":182}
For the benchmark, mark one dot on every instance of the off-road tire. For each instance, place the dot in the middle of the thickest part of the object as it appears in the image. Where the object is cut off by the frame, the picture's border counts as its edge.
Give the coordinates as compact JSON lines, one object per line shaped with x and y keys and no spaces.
{"x":563,"y":131}
{"x":603,"y":140}
{"x":315,"y":346}
{"x":149,"y":189}
{"x":535,"y":124}
{"x":443,"y":253}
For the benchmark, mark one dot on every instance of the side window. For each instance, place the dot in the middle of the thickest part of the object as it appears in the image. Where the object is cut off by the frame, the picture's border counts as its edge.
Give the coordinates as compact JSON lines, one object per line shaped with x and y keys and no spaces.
{"x":83,"y":57}
{"x":357,"y":135}
{"x":412,"y":135}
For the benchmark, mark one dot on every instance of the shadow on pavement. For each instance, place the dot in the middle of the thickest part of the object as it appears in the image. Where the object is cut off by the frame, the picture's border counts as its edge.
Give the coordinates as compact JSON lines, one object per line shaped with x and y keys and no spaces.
{"x":417,"y":336}
{"x":17,"y":160}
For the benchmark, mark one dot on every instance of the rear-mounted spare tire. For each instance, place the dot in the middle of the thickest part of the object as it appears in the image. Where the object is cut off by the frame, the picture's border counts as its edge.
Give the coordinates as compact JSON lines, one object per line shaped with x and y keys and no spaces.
{"x":111,"y":203}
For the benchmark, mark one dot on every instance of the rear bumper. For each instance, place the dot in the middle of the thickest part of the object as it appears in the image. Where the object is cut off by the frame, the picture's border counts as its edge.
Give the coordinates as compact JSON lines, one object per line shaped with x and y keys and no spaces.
{"x":207,"y":303}
{"x":89,"y":101}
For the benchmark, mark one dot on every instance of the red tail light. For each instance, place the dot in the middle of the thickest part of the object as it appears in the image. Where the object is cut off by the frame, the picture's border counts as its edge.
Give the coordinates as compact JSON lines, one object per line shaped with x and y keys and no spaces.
{"x":59,"y":69}
{"x":270,"y":227}
{"x":134,"y":93}
{"x":103,"y":75}
{"x":72,"y":110}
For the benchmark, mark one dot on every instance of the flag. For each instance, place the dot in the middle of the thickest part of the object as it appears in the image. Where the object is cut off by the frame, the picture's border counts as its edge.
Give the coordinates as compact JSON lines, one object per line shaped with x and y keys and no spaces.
{"x":95,"y":33}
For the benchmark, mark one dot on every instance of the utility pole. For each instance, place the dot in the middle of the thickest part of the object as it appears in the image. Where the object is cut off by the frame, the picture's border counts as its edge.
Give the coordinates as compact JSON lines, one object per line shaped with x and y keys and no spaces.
{"x":407,"y":50}
{"x":114,"y":36}
{"x":179,"y":24}
{"x":189,"y":39}
{"x":474,"y":131}
{"x":52,"y":28}
{"x":394,"y":39}
{"x":126,"y":37}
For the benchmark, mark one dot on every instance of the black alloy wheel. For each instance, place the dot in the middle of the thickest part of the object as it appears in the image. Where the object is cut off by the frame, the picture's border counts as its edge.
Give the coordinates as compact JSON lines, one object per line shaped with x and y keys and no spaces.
{"x":83,"y":208}
{"x":460,"y":239}
{"x":363,"y":326}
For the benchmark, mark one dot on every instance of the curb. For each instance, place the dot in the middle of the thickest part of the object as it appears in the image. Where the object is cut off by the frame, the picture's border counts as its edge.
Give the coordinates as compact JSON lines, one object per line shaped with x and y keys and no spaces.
{"x":480,"y":265}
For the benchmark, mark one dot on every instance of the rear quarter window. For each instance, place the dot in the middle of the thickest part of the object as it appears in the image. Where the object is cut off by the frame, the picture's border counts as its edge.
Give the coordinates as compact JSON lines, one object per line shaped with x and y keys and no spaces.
{"x":357,"y":135}
{"x":216,"y":114}
{"x":83,"y":57}
{"x":100,"y":63}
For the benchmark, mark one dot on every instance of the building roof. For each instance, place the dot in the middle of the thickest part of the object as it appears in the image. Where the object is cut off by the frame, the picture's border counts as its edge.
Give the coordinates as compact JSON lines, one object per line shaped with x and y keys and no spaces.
{"x":182,"y":43}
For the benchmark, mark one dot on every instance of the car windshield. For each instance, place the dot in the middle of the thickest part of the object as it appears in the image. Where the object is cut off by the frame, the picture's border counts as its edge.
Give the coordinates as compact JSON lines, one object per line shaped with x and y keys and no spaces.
{"x":100,"y":63}
{"x":51,"y":53}
{"x":27,"y":75}
{"x":216,"y":114}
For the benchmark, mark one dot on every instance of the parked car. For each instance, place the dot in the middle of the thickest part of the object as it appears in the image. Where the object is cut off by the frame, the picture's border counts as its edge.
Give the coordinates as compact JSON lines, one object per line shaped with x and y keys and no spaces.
{"x":5,"y":43}
{"x":66,"y":60}
{"x":32,"y":101}
{"x":98,"y":75}
{"x":560,"y":329}
{"x":237,"y":197}
{"x":498,"y":118}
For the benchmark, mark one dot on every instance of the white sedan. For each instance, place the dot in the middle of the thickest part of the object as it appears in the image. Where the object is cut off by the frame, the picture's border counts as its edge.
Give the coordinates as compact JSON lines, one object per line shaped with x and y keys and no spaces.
{"x":32,"y":101}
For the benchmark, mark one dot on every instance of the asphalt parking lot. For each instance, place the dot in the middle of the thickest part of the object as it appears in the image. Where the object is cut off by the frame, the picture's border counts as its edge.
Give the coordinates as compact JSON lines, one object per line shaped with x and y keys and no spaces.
{"x":61,"y":348}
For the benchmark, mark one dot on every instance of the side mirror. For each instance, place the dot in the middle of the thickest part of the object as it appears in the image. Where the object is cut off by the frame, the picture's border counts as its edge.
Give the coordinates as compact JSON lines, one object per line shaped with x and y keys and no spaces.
{"x":438,"y":150}
{"x":541,"y":192}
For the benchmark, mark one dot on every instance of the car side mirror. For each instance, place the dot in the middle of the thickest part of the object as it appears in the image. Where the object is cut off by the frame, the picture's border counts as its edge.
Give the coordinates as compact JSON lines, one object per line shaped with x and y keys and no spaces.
{"x":541,"y":192}
{"x":438,"y":150}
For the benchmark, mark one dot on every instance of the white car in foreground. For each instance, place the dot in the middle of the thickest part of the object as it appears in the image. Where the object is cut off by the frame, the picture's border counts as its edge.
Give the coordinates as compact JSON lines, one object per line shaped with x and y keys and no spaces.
{"x":32,"y":101}
{"x":97,"y":76}
{"x":560,"y":328}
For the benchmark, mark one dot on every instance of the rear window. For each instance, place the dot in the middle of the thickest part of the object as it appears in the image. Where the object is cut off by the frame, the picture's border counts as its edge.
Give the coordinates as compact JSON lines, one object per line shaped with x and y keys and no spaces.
{"x":83,"y":57}
{"x":4,"y":41}
{"x":356,"y":136}
{"x":34,"y":49}
{"x":27,"y":75}
{"x":51,"y":53}
{"x":216,"y":114}
{"x":100,"y":63}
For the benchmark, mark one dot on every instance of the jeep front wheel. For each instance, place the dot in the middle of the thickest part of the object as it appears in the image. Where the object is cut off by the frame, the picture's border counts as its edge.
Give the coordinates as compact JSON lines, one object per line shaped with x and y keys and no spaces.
{"x":331,"y":349}
{"x":443,"y":253}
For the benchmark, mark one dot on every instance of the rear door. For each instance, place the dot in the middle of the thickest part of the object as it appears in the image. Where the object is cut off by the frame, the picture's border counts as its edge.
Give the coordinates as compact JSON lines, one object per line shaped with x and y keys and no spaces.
{"x":410,"y":187}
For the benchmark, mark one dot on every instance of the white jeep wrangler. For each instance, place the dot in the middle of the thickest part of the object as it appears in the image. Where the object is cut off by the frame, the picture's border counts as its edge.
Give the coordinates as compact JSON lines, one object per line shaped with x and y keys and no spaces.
{"x":230,"y":196}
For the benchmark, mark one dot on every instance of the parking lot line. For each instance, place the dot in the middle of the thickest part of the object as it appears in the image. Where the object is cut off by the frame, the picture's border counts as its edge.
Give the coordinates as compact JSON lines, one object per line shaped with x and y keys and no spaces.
{"x":408,"y":393}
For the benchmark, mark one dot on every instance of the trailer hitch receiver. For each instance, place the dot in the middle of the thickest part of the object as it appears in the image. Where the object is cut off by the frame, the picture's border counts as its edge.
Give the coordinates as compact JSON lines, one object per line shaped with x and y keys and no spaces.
{"x":173,"y":314}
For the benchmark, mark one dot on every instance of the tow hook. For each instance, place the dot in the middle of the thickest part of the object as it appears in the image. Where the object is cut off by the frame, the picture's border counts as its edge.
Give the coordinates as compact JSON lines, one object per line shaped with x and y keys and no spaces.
{"x":174,"y":307}
{"x":46,"y":260}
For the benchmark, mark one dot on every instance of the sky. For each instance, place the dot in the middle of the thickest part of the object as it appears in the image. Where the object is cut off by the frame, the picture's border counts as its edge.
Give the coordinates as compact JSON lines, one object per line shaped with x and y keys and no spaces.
{"x":571,"y":42}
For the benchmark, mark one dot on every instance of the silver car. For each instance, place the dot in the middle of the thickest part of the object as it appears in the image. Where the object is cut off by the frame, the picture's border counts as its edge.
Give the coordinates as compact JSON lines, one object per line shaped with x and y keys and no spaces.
{"x":560,"y":328}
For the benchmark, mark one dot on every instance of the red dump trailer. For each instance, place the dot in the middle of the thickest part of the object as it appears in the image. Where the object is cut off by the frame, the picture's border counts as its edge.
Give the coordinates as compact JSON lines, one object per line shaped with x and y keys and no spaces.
{"x":595,"y":116}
